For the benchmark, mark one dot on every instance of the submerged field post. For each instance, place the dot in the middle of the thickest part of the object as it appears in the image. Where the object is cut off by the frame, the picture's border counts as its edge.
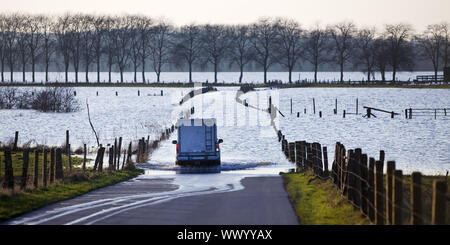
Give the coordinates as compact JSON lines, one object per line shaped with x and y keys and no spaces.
{"x":356,"y":106}
{"x":397,"y":197}
{"x":343,"y":115}
{"x":304,"y":111}
{"x":335,"y":106}
{"x":410,"y":113}
{"x":291,"y":105}
{"x":390,"y":168}
{"x":438,"y":210}
{"x":406,"y":113}
{"x":314,"y":106}
{"x":320,"y":114}
{"x":139,"y":93}
{"x":416,"y":199}
{"x":298,"y":114}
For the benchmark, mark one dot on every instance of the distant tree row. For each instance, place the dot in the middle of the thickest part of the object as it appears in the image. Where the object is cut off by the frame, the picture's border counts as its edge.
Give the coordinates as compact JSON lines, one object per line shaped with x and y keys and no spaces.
{"x":89,"y":42}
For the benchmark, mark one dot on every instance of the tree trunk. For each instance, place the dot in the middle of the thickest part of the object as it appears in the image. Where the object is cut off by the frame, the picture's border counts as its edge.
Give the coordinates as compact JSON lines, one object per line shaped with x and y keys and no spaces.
{"x":23,"y":71}
{"x":315,"y":72}
{"x":46,"y":72}
{"x":87,"y":72}
{"x":3,"y":70}
{"x":76,"y":73}
{"x":215,"y":72}
{"x":158,"y":74}
{"x":265,"y":74}
{"x":98,"y":69}
{"x":32,"y":70}
{"x":109,"y":73}
{"x":121,"y":75}
{"x":135,"y":73}
{"x":67,"y":72}
{"x":241,"y":73}
{"x":342,"y":72}
{"x":290,"y":74}
{"x":143,"y":70}
{"x":190,"y":72}
{"x":394,"y":71}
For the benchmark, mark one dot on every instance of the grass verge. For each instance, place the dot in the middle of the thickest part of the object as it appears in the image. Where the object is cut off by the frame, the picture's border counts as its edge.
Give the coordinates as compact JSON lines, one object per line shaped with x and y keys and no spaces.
{"x":318,"y":202}
{"x":26,"y":201}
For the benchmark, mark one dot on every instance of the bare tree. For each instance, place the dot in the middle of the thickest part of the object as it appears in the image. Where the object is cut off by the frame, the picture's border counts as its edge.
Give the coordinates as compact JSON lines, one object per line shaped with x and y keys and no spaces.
{"x":381,"y":53}
{"x":109,"y":40}
{"x":263,"y":36}
{"x":365,"y":53}
{"x":188,"y":47}
{"x":144,"y":36}
{"x":240,"y":48}
{"x":316,"y":43}
{"x":63,"y":38}
{"x":76,"y":42}
{"x":121,"y":43}
{"x":431,"y":43}
{"x":48,"y":43}
{"x":290,"y":48}
{"x":22,"y":43}
{"x":35,"y":30}
{"x":342,"y":34}
{"x":87,"y":42}
{"x":160,"y":45}
{"x":134,"y":35}
{"x":2,"y":44}
{"x":397,"y":37}
{"x":216,"y":43}
{"x":445,"y":43}
{"x":98,"y":38}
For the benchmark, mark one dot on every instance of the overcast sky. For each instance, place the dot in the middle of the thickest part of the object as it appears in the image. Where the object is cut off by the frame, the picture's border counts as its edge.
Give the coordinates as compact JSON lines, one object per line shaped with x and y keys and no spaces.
{"x":419,"y":13}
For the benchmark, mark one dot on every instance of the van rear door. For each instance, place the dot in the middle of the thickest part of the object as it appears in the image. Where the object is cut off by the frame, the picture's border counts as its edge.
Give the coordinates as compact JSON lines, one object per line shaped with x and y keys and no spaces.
{"x":193,"y":139}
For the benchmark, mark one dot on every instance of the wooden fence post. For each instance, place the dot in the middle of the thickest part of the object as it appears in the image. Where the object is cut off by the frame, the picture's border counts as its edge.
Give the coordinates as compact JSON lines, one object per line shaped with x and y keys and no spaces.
{"x":84,"y":157}
{"x":111,"y":160}
{"x":114,"y":153}
{"x":291,"y":151}
{"x":26,"y":158}
{"x":45,"y":167}
{"x":342,"y":165}
{"x":130,"y":153}
{"x":325,"y":160}
{"x":59,"y":164}
{"x":16,"y":139}
{"x":370,"y":189}
{"x":100,"y":159}
{"x":36,"y":169}
{"x":416,"y":199}
{"x":390,"y":168}
{"x":357,"y":177}
{"x":69,"y":157}
{"x":438,"y":210}
{"x":118,"y":152}
{"x":297,"y":153}
{"x":397,"y":197}
{"x":379,"y":194}
{"x":364,"y":184}
{"x":52,"y":165}
{"x":9,"y":171}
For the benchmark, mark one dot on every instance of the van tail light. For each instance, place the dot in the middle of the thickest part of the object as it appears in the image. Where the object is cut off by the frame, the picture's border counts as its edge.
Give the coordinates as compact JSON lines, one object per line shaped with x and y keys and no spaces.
{"x":178,"y":148}
{"x":217,"y":146}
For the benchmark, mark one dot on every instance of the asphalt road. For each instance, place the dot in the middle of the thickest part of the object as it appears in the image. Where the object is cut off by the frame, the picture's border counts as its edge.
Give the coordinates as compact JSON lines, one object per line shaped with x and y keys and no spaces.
{"x":263,"y":201}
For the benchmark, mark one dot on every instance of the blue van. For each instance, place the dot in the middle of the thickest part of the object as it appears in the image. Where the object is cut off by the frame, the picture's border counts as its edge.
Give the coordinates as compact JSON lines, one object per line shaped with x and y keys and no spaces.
{"x":197,"y":143}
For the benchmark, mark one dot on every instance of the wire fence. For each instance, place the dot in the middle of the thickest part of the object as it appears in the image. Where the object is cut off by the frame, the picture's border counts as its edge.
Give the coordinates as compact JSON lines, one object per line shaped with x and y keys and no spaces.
{"x":383,"y":196}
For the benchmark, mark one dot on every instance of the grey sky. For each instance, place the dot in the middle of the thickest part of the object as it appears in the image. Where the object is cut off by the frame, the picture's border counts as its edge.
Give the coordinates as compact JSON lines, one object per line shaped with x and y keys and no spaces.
{"x":419,"y":13}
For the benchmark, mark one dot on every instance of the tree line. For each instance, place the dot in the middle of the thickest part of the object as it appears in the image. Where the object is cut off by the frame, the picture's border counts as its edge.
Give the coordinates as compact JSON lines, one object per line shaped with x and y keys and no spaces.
{"x":89,"y":42}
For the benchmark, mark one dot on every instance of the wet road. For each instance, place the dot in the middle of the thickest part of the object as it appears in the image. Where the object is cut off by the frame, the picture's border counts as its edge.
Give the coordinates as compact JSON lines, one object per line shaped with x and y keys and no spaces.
{"x":262,"y":201}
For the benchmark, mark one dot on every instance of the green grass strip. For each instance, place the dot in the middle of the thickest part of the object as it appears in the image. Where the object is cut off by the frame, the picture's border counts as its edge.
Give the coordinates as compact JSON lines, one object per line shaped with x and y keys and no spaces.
{"x":318,"y":202}
{"x":26,"y":201}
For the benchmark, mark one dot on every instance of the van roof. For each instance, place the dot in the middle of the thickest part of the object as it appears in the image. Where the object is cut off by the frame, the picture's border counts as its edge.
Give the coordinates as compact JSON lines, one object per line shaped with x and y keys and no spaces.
{"x":196,"y":122}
